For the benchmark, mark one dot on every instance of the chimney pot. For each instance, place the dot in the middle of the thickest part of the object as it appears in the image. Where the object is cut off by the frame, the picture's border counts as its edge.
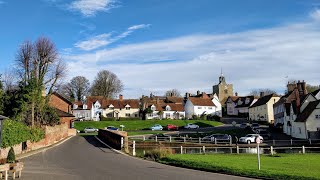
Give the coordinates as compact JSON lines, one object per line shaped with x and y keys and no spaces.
{"x":236,"y":94}
{"x":120,"y":97}
{"x":261,"y":94}
{"x":198,"y":92}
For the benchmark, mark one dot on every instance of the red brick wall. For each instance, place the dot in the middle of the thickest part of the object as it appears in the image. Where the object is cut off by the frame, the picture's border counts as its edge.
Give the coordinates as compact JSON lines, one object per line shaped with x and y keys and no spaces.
{"x":58,"y":103}
{"x":66,"y":120}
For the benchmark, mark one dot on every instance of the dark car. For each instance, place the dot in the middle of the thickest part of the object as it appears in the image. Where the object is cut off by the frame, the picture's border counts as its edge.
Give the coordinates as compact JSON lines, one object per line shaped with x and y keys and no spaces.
{"x":217,"y":137}
{"x":264,"y":133}
{"x":112,"y":128}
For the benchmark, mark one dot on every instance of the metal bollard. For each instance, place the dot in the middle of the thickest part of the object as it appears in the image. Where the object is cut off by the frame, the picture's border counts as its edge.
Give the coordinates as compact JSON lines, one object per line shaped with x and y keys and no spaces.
{"x":156,"y":138}
{"x":291,"y":141}
{"x":122,"y":142}
{"x":169,"y":138}
{"x":144,"y":138}
{"x":303,"y":150}
{"x":237,"y":149}
{"x":230,"y":140}
{"x":271,"y":150}
{"x":215,"y":140}
{"x":181,"y":150}
{"x":204,"y":149}
{"x":134,"y":148}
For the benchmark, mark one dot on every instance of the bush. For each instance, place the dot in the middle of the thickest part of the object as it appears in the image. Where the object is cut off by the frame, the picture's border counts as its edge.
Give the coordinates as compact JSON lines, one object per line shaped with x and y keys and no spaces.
{"x":15,"y":132}
{"x":157,"y":154}
{"x":11,"y":158}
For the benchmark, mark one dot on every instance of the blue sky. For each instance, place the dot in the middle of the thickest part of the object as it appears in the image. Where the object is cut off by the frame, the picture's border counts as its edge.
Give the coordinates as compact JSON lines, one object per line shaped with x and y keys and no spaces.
{"x":156,"y":45}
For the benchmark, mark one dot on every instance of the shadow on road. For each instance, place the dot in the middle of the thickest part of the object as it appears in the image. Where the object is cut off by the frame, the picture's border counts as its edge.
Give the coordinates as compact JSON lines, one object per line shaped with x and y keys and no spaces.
{"x":93,"y":141}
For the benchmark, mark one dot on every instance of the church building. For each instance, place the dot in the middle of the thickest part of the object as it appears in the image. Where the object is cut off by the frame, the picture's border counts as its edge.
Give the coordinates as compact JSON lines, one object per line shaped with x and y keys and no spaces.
{"x":223,"y":90}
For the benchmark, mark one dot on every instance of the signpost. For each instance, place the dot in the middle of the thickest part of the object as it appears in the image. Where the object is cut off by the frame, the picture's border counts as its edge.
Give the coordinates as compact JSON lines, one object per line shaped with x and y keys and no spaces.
{"x":258,"y":141}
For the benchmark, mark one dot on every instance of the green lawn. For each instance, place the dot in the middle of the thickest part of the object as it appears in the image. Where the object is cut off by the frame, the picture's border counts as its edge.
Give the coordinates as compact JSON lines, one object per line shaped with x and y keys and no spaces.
{"x":141,"y":124}
{"x":284,"y":166}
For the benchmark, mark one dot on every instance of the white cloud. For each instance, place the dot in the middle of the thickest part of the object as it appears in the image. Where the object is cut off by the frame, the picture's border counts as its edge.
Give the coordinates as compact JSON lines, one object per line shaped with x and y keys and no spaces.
{"x":106,"y":39}
{"x":91,"y":7}
{"x":315,"y":14}
{"x":94,"y":42}
{"x":250,"y":60}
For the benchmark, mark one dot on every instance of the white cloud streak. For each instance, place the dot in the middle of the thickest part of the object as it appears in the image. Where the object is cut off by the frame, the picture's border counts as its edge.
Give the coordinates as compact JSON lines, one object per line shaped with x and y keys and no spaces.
{"x":92,"y":7}
{"x":315,"y":14}
{"x":106,"y":38}
{"x":250,"y":60}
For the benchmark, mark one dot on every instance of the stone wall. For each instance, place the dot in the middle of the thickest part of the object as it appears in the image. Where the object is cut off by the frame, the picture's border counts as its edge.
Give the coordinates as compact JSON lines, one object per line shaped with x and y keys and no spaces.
{"x":53,"y":134}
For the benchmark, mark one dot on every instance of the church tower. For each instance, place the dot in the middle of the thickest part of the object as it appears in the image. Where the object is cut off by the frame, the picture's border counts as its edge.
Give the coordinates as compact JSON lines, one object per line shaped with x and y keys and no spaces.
{"x":223,"y":90}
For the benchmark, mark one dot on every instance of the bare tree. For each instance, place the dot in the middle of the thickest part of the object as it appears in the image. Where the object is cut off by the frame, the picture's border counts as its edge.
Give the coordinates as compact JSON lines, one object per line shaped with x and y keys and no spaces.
{"x":173,"y":92}
{"x":66,"y":91}
{"x":79,"y":86}
{"x":8,"y":78}
{"x":266,"y":91}
{"x":39,"y":66}
{"x":106,"y":84}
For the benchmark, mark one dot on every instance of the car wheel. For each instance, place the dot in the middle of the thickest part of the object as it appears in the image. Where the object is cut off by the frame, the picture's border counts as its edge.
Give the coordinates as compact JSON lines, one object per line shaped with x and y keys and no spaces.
{"x":249,"y":142}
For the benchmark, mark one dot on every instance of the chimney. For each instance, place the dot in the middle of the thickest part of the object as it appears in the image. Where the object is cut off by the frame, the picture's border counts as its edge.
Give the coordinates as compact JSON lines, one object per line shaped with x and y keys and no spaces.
{"x":120,"y":97}
{"x":302,"y":88}
{"x":157,"y":102}
{"x":187,"y":95}
{"x":236,"y":94}
{"x":198,"y":92}
{"x":261,"y":94}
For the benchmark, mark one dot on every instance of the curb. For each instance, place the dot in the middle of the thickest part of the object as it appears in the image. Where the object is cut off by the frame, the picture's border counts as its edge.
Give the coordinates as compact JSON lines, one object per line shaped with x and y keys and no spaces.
{"x":114,"y":150}
{"x":33,"y":152}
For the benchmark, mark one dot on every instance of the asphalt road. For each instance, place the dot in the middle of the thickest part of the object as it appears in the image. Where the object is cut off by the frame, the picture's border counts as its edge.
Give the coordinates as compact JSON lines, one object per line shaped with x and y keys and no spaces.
{"x":86,"y":158}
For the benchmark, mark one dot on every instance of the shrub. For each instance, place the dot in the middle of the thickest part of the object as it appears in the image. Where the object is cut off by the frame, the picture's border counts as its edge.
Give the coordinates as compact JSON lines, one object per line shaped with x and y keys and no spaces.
{"x":15,"y":132}
{"x":11,"y":158}
{"x":157,"y":154}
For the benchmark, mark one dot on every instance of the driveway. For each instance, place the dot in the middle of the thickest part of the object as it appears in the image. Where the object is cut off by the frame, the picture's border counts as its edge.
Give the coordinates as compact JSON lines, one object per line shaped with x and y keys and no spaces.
{"x":86,"y":158}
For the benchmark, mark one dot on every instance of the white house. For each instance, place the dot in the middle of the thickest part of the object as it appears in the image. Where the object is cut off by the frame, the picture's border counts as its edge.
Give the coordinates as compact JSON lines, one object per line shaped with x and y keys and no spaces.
{"x":239,"y":105}
{"x":307,"y":123}
{"x":200,"y":106}
{"x":166,"y":111}
{"x":81,"y":111}
{"x":262,"y":109}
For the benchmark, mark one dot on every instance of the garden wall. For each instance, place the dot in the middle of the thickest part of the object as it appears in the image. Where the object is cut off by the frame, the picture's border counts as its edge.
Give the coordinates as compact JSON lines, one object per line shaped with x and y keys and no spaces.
{"x":53,"y":134}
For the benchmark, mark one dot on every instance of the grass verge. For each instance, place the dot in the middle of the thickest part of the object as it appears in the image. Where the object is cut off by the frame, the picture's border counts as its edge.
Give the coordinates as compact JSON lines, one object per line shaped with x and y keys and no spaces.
{"x":142,"y":124}
{"x":284,"y":166}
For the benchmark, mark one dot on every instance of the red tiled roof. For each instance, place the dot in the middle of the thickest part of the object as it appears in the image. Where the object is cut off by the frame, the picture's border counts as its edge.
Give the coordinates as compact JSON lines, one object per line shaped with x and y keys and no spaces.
{"x":201,"y":101}
{"x":118,"y":104}
{"x":173,"y":106}
{"x":173,"y":99}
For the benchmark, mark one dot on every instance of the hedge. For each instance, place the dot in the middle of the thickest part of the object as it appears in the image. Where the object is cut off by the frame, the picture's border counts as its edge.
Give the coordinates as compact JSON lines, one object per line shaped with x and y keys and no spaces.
{"x":15,"y":132}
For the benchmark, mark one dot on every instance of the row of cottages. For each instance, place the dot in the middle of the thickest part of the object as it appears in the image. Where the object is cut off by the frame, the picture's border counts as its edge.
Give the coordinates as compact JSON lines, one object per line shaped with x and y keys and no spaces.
{"x":94,"y":107}
{"x":301,"y":112}
{"x":202,"y":104}
{"x":163,"y":107}
{"x":262,"y":109}
{"x":239,"y":105}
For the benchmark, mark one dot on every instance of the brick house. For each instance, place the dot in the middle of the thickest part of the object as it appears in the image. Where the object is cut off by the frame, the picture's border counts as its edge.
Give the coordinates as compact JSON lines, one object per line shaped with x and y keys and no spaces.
{"x":62,"y":107}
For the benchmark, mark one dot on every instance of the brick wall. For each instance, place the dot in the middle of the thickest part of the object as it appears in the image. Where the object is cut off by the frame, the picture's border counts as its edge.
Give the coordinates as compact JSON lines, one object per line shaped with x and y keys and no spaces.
{"x":66,"y":120}
{"x":112,"y":138}
{"x":53,"y":134}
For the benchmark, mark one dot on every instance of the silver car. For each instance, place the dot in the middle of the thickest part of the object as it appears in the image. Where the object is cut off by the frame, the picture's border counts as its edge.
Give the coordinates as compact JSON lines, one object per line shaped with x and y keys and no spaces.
{"x":90,"y":130}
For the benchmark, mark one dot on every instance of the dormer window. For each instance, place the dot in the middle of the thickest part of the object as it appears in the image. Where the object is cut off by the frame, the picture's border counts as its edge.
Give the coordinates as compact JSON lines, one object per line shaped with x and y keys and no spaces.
{"x":111,"y":107}
{"x":247,"y":100}
{"x":153,"y":108}
{"x":127,"y":107}
{"x":168,"y":108}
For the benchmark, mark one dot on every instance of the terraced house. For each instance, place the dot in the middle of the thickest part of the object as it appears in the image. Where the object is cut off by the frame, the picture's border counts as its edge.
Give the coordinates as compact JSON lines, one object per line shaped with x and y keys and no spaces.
{"x":97,"y":107}
{"x":262,"y":109}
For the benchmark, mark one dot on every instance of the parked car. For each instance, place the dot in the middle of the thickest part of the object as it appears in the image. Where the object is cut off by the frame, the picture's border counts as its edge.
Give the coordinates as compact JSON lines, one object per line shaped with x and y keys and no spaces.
{"x":90,"y":130}
{"x":218,"y":137}
{"x":250,"y":138}
{"x":172,"y":127}
{"x":255,"y":126}
{"x":112,"y":128}
{"x":156,"y":127}
{"x":264,"y":133}
{"x":244,"y":125}
{"x":191,"y":126}
{"x":160,"y":137}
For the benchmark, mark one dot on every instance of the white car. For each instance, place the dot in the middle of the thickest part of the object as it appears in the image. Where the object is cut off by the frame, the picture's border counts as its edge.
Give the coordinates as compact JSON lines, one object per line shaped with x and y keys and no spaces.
{"x":250,"y":138}
{"x":90,"y":130}
{"x":191,"y":126}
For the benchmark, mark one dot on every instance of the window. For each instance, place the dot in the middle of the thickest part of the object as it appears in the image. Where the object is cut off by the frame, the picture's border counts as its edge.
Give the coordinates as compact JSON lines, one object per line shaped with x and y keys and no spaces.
{"x":199,"y":107}
{"x":127,"y":108}
{"x":168,"y":115}
{"x":317,"y":116}
{"x":87,"y":115}
{"x":136,"y":115}
{"x":209,"y":107}
{"x":109,"y":115}
{"x":153,"y":108}
{"x":127,"y":114}
{"x":111,"y":108}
